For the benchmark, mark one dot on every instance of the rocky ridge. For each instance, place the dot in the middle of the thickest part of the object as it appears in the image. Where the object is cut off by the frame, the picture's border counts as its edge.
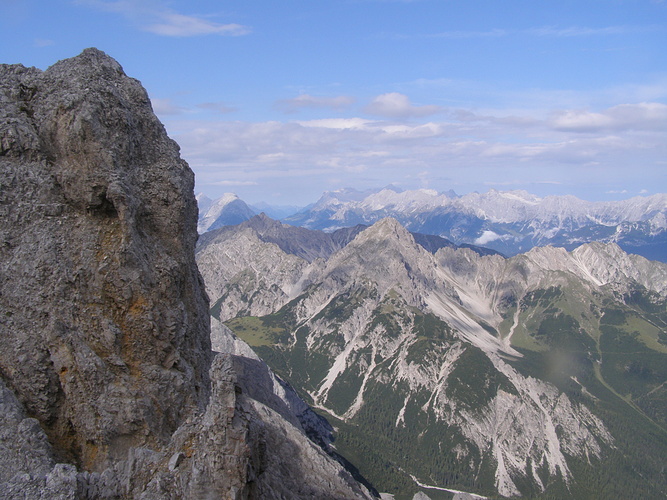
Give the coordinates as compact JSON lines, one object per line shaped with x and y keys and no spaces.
{"x":108,"y":384}
{"x":261,"y":263}
{"x":470,"y":356}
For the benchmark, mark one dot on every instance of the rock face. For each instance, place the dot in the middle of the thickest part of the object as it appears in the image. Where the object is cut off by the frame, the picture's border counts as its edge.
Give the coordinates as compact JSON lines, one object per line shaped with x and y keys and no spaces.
{"x":101,"y":299}
{"x":106,"y":363}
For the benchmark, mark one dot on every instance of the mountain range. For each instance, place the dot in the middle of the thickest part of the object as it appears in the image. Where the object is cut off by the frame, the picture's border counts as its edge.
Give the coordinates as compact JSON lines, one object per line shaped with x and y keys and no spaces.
{"x":509,"y":222}
{"x":539,"y":375}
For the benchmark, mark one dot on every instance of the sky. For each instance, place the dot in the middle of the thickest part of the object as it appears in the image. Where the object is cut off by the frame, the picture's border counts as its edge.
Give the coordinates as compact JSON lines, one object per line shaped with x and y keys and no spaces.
{"x":279,"y":101}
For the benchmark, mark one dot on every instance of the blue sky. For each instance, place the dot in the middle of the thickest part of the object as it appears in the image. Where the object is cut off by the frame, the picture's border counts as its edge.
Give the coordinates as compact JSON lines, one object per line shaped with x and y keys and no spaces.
{"x":280,"y":101}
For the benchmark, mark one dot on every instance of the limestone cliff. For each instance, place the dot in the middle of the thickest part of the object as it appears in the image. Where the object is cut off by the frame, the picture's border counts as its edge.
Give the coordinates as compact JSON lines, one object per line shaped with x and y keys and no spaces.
{"x":104,"y":323}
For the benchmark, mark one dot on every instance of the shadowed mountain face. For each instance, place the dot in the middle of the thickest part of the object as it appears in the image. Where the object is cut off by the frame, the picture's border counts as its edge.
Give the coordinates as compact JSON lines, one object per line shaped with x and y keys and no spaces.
{"x":528,"y":375}
{"x":225,"y":211}
{"x":108,"y":385}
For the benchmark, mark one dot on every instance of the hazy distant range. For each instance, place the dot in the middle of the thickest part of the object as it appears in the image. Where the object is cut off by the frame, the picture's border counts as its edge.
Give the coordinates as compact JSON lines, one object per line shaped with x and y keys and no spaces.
{"x":509,"y":222}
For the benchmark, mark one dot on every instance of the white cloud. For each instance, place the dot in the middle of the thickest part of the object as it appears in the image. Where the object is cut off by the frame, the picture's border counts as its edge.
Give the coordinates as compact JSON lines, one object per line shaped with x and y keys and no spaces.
{"x":396,"y":105}
{"x":309,"y":101}
{"x":338,"y":123}
{"x":486,"y":237}
{"x":419,"y":131}
{"x":642,"y":116}
{"x":466,"y":147}
{"x":580,"y":120}
{"x":381,"y":131}
{"x":154,"y":17}
{"x":536,"y":102}
{"x":234,"y":183}
{"x":173,"y":24}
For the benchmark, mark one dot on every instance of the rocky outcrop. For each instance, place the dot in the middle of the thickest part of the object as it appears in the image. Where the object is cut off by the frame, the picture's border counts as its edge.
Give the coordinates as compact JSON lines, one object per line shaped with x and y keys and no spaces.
{"x":102,"y":303}
{"x":109,"y":385}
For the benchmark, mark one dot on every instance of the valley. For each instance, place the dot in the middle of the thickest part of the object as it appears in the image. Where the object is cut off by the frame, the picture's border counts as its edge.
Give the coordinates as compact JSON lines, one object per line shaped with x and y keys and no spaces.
{"x":535,"y":375}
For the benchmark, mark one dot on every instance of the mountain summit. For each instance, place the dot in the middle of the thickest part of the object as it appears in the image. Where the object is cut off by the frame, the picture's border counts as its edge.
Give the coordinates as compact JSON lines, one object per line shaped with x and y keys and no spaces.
{"x":227,"y":210}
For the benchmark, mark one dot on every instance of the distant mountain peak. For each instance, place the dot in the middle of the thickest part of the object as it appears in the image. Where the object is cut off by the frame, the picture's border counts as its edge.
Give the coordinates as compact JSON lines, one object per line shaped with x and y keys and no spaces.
{"x":387,"y":232}
{"x":509,"y":222}
{"x":387,"y":250}
{"x":392,"y":187}
{"x":227,"y":210}
{"x":386,"y":227}
{"x":262,"y":221}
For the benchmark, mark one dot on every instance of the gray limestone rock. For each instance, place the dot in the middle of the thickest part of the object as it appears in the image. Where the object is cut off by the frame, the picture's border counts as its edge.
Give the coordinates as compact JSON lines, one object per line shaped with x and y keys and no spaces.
{"x":108,"y":385}
{"x":103,"y":310}
{"x":27,"y":465}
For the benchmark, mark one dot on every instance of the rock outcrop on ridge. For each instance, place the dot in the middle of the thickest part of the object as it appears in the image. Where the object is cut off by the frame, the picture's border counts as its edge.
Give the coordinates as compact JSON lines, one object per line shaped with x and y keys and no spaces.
{"x":108,"y":385}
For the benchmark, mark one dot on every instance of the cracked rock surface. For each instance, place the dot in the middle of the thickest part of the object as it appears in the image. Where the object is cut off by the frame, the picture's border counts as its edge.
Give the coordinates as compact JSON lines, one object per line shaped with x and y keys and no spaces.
{"x":108,"y":384}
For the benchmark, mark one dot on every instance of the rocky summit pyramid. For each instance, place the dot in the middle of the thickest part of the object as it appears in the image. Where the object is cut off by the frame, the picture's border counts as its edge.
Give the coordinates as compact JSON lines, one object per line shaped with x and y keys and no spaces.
{"x":108,"y":385}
